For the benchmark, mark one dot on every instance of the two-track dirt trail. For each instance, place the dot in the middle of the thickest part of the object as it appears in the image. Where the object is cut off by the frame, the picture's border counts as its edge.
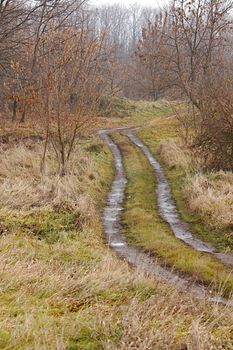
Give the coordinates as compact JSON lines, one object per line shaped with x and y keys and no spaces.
{"x":168,"y":209}
{"x":134,"y":255}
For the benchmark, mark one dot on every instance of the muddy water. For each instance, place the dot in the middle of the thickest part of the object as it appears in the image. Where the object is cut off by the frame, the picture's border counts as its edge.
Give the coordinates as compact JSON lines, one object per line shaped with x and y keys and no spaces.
{"x":133,"y":255}
{"x":168,"y":211}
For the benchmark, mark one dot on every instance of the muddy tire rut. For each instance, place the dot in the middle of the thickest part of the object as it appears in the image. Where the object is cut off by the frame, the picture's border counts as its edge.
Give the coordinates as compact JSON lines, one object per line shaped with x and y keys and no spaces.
{"x":135,"y":256}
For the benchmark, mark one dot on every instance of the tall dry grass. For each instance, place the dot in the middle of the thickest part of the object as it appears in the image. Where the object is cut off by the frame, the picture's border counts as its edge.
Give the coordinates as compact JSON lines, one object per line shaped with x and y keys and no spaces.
{"x":23,"y":188}
{"x":174,"y":154}
{"x":210,"y":194}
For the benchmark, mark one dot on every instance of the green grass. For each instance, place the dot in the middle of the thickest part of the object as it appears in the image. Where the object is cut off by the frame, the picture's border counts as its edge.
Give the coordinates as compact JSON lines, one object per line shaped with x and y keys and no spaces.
{"x":163,"y":129}
{"x":48,"y":225}
{"x":121,"y":112}
{"x":144,"y":227}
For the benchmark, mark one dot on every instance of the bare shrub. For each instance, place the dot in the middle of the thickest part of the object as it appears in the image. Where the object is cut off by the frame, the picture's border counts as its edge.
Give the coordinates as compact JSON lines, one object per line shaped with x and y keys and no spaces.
{"x":189,"y":49}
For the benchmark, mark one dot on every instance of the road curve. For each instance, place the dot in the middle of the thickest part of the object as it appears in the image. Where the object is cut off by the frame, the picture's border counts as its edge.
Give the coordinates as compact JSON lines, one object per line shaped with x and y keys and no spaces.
{"x":134,"y":255}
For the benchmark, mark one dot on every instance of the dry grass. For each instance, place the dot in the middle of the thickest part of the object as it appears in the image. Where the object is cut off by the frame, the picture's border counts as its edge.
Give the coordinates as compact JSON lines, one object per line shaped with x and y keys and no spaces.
{"x":212,"y":196}
{"x":174,"y":154}
{"x":91,"y":300}
{"x":23,"y":188}
{"x":209,"y":194}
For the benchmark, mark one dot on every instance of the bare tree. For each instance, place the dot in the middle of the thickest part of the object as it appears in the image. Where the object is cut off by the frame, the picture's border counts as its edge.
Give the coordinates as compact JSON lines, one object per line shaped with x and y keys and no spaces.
{"x":23,"y":26}
{"x":70,"y":85}
{"x":153,"y":64}
{"x":200,"y":42}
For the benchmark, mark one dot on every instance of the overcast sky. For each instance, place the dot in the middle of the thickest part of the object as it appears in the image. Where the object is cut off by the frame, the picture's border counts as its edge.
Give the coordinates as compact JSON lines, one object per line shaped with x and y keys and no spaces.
{"x":153,"y":3}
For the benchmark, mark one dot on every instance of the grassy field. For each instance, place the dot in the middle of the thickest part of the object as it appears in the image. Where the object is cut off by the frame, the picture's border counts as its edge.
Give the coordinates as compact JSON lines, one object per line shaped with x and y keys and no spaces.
{"x":61,"y":286}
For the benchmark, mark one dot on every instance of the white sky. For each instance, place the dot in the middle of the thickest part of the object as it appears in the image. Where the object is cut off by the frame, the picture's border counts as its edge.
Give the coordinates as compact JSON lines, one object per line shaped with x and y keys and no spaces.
{"x":150,"y":3}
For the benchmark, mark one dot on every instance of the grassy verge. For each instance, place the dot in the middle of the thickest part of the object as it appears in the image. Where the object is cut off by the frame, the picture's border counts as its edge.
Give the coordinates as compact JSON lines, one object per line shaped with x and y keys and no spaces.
{"x":165,"y":129}
{"x":144,"y":227}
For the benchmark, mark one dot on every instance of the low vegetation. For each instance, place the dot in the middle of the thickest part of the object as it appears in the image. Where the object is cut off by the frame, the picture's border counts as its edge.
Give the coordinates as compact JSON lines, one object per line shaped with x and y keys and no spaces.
{"x":209,"y":194}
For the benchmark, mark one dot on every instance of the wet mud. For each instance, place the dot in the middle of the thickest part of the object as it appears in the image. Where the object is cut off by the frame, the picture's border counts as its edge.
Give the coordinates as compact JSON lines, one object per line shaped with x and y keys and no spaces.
{"x":133,"y":255}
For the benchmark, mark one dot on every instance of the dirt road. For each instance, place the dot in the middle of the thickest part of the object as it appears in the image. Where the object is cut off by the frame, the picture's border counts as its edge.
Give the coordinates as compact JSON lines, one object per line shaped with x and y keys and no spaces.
{"x":135,"y":256}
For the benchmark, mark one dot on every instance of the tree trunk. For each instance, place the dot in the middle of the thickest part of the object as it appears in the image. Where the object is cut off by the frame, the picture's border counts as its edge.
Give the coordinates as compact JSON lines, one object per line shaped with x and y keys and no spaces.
{"x":22,"y":120}
{"x":62,"y":163}
{"x":15,"y":104}
{"x":43,"y":159}
{"x":62,"y":169}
